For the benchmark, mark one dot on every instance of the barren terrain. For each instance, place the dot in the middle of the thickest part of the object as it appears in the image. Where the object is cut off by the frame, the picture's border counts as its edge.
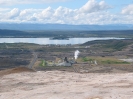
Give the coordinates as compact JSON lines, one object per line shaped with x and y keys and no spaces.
{"x":65,"y":85}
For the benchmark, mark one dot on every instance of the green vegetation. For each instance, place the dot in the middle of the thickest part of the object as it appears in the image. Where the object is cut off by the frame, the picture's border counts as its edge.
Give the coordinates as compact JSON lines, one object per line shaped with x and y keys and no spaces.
{"x":43,"y":63}
{"x":103,"y":60}
{"x":86,"y":59}
{"x":119,"y":45}
{"x":114,"y":62}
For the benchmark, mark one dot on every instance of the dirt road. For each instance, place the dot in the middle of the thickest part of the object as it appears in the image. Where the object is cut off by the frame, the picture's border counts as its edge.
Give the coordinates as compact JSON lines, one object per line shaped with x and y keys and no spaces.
{"x":33,"y":60}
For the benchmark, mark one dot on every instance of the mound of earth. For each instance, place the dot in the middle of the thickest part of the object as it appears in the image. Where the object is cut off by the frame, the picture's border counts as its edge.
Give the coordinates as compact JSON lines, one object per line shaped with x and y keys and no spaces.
{"x":15,"y":70}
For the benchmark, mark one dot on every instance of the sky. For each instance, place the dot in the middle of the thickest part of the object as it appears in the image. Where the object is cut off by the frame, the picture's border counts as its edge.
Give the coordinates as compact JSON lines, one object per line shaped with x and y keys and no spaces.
{"x":75,"y":12}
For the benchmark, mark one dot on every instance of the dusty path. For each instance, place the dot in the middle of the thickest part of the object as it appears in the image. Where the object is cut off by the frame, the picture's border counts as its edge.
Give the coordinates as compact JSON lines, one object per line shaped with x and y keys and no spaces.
{"x":66,"y":85}
{"x":33,"y":60}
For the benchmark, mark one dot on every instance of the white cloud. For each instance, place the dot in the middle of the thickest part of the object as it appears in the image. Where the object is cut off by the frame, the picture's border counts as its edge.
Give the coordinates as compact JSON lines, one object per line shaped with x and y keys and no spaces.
{"x":92,"y":12}
{"x":14,"y":13}
{"x":128,"y":9}
{"x":13,"y":2}
{"x":4,"y":9}
{"x":46,"y":13}
{"x":94,"y":6}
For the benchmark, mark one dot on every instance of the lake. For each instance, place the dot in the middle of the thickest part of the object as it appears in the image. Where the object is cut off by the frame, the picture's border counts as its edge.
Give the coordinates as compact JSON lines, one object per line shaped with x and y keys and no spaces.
{"x":44,"y":41}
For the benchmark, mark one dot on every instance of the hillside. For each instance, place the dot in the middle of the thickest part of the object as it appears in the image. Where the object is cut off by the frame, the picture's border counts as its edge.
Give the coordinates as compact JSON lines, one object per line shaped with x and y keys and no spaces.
{"x":113,"y":44}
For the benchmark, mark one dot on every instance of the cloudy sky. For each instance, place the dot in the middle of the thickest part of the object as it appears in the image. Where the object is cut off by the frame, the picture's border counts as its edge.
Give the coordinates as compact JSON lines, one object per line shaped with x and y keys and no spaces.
{"x":67,"y":11}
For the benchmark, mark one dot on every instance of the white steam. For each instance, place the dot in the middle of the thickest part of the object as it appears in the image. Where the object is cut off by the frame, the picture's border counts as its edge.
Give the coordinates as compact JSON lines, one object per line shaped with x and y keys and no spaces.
{"x":76,"y":54}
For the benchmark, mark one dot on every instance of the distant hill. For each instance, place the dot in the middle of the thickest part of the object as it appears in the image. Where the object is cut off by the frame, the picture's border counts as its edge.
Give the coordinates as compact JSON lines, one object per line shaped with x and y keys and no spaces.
{"x":66,"y":33}
{"x":15,"y":26}
{"x":11,"y":33}
{"x":109,"y":42}
{"x":113,"y":44}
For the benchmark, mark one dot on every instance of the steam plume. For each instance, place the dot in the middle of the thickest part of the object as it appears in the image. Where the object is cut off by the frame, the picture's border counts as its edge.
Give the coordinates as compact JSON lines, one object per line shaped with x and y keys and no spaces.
{"x":76,"y":54}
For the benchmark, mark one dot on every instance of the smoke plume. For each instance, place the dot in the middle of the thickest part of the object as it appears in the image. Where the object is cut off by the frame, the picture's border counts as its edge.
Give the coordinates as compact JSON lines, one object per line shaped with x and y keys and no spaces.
{"x":76,"y":54}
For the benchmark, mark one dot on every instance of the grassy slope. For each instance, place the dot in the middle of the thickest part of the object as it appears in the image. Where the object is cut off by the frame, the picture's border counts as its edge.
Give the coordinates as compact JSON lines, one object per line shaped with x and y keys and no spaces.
{"x":113,"y":44}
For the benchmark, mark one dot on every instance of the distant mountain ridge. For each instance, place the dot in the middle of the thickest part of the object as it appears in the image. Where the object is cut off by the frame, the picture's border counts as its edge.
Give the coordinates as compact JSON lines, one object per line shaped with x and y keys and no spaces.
{"x":15,"y":26}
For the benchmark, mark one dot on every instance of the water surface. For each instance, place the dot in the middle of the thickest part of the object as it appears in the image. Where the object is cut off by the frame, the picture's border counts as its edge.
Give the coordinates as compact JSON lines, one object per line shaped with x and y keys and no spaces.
{"x":44,"y":41}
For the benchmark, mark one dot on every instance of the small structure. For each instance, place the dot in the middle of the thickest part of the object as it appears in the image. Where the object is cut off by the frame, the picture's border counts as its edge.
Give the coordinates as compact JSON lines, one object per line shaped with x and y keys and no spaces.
{"x":66,"y":62}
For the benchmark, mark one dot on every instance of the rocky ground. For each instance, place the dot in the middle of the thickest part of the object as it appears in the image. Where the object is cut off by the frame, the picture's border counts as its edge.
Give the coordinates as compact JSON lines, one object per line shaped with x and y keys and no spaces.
{"x":25,"y":84}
